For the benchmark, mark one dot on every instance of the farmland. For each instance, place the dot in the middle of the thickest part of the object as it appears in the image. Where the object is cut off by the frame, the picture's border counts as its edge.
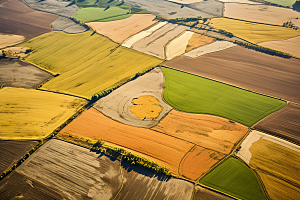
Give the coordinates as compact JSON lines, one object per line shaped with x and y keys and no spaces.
{"x":16,"y":73}
{"x":117,"y":104}
{"x":182,"y":92}
{"x":253,"y":32}
{"x":235,"y":178}
{"x":247,"y":69}
{"x":198,"y":40}
{"x":239,"y":1}
{"x":155,"y":43}
{"x":276,"y":160}
{"x":261,"y":13}
{"x":284,"y":123}
{"x":9,"y":40}
{"x":198,"y":161}
{"x":12,"y":151}
{"x":160,"y":148}
{"x":33,"y":114}
{"x":290,"y":46}
{"x":18,"y":19}
{"x":205,"y":130}
{"x":283,"y":2}
{"x":203,"y":194}
{"x":146,"y":107}
{"x":211,"y":7}
{"x":68,"y":25}
{"x":120,"y":30}
{"x":209,"y":48}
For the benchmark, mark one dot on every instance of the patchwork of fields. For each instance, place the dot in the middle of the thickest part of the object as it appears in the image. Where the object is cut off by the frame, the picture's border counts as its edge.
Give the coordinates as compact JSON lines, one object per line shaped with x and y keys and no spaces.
{"x":149,"y":99}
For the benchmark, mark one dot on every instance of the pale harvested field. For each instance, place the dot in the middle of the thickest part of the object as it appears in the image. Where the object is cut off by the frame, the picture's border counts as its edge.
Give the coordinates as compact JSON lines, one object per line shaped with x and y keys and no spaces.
{"x":291,"y":46}
{"x":210,"y":48}
{"x":206,"y":194}
{"x":74,"y":171}
{"x":261,"y":13}
{"x":15,"y":52}
{"x":68,"y":25}
{"x":155,"y":43}
{"x":133,"y":39}
{"x":239,"y":1}
{"x":198,"y":40}
{"x":178,"y":46}
{"x":198,"y":161}
{"x":16,"y":73}
{"x":141,"y":183}
{"x":157,"y":147}
{"x":205,"y":130}
{"x":120,"y":30}
{"x":10,"y":40}
{"x":247,"y":69}
{"x":117,"y":104}
{"x":284,"y":123}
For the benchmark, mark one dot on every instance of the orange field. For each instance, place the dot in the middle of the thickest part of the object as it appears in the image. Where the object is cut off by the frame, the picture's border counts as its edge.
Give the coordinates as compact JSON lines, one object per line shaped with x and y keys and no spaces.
{"x":198,"y":161}
{"x":160,"y":148}
{"x":205,"y":130}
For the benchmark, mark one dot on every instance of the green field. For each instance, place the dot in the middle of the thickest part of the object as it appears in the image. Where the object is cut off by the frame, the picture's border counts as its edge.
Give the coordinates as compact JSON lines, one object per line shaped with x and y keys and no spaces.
{"x":34,"y":114}
{"x":235,"y":178}
{"x":283,"y":2}
{"x":253,"y":32}
{"x":87,"y":63}
{"x":194,"y":94}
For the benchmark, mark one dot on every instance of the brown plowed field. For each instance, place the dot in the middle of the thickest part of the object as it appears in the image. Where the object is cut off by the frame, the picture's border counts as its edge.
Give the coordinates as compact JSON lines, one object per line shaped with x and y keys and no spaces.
{"x":205,"y":130}
{"x":248,"y":69}
{"x":206,"y":194}
{"x":120,"y":30}
{"x":284,"y":123}
{"x":12,"y":151}
{"x":158,"y":147}
{"x":198,"y":161}
{"x":17,"y":18}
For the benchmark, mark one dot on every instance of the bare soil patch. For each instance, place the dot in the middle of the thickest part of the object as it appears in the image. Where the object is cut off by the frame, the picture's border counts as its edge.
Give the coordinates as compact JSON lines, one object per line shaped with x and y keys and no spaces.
{"x":214,"y":8}
{"x":9,"y":40}
{"x":290,"y":46}
{"x":198,"y":40}
{"x":206,"y":194}
{"x":261,"y":13}
{"x":74,"y":171}
{"x":284,"y":123}
{"x":205,"y":130}
{"x":145,"y":107}
{"x":117,"y":104}
{"x":120,"y":30}
{"x":248,"y":69}
{"x":157,"y":147}
{"x":16,"y":73}
{"x":198,"y":161}
{"x":12,"y":151}
{"x":67,"y":25}
{"x":19,"y":19}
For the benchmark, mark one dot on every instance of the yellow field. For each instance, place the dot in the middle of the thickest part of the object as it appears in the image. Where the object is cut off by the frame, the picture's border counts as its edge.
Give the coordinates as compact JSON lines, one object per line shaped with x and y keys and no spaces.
{"x":33,"y":114}
{"x":146,"y":107}
{"x":253,"y":32}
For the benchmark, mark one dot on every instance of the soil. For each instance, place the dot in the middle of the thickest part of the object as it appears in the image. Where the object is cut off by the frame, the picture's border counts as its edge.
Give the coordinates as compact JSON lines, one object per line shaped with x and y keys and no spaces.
{"x":213,"y":8}
{"x":206,"y":194}
{"x":10,"y":40}
{"x":247,"y":69}
{"x":67,"y":25}
{"x":145,"y":107}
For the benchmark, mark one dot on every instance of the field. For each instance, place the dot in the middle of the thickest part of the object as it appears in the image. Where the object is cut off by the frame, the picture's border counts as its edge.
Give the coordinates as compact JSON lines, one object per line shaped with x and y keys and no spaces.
{"x":62,"y":8}
{"x":276,"y":160}
{"x":247,"y":69}
{"x":198,"y":161}
{"x":33,"y":114}
{"x":283,"y":2}
{"x":253,"y":32}
{"x":290,"y":46}
{"x":185,"y":1}
{"x":210,"y":48}
{"x":212,"y":7}
{"x":155,"y":43}
{"x":9,"y":40}
{"x":68,"y":25}
{"x":12,"y":151}
{"x":239,"y":1}
{"x":235,"y":178}
{"x":182,"y":92}
{"x":117,"y":104}
{"x":145,"y":107}
{"x":16,"y":73}
{"x":205,"y":194}
{"x":205,"y":130}
{"x":140,"y":183}
{"x":157,"y":147}
{"x":74,"y":171}
{"x":261,"y":13}
{"x":18,"y":19}
{"x":120,"y":30}
{"x":166,"y":9}
{"x":198,"y":40}
{"x":283,"y":123}
{"x":93,"y":13}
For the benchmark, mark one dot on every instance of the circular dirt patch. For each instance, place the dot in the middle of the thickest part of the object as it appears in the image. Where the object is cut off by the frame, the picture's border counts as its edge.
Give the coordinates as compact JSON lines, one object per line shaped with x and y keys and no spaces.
{"x":145,"y":107}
